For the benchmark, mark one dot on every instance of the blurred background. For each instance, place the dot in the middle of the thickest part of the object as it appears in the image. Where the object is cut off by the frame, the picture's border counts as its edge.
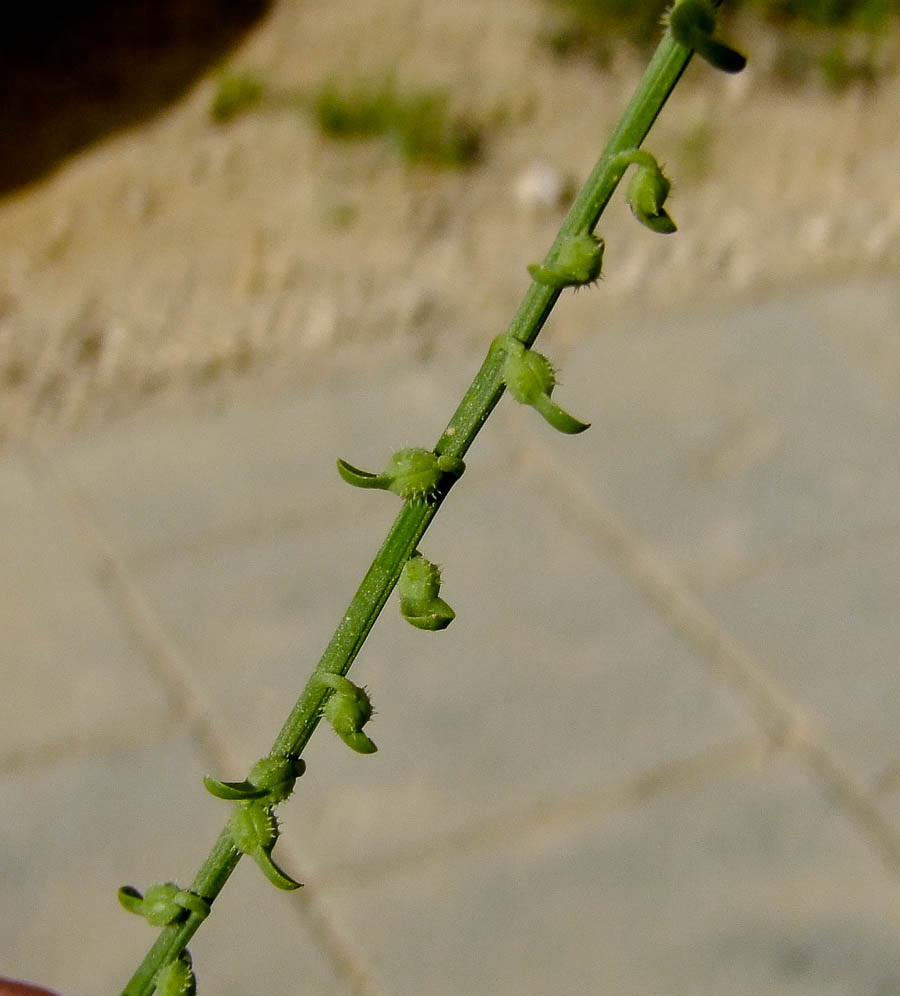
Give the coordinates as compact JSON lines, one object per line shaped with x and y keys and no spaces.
{"x":657,"y":752}
{"x":188,"y":202}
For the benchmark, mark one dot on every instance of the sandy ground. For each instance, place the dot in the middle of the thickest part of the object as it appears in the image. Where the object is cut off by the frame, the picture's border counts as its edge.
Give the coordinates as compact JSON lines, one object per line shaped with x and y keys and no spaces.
{"x":183,"y":261}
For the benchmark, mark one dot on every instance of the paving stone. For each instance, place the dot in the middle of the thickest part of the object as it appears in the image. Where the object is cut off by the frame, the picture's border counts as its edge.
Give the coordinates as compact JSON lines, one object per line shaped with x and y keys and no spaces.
{"x":862,"y":314}
{"x":554,"y":677}
{"x":754,"y":448}
{"x":725,"y":434}
{"x":251,"y":620}
{"x":748,"y":885}
{"x":70,"y":665}
{"x":73,"y":833}
{"x":889,"y":799}
{"x":829,"y":632}
{"x":158,"y":486}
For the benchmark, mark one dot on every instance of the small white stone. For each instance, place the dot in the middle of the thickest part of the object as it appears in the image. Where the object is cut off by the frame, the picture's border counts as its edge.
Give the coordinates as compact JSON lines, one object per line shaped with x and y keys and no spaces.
{"x":540,"y":186}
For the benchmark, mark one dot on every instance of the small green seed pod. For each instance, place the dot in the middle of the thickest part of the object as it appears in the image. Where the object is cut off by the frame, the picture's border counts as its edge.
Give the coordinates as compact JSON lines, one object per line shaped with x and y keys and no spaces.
{"x":176,"y":977}
{"x":527,"y":374}
{"x":163,"y":904}
{"x":254,"y":830}
{"x":415,"y":474}
{"x":277,"y":775}
{"x":157,"y":906}
{"x":419,"y":589}
{"x":647,"y":191}
{"x":577,"y":262}
{"x":692,"y":23}
{"x":646,"y":195}
{"x":271,"y":778}
{"x":253,"y":825}
{"x":530,"y":378}
{"x":348,"y":709}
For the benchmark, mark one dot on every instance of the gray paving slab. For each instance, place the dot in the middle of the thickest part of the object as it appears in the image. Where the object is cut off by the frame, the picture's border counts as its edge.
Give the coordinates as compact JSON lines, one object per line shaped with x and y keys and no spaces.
{"x":571,"y":794}
{"x":71,"y":667}
{"x":862,"y":315}
{"x":160,"y":485}
{"x":829,"y":631}
{"x":889,"y":800}
{"x":723,"y":435}
{"x":74,"y":832}
{"x":554,"y":678}
{"x":746,"y":885}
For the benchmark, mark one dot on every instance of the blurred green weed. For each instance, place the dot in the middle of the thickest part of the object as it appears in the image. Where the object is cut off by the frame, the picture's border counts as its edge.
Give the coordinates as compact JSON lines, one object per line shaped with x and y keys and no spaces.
{"x":697,"y":151}
{"x":590,"y":28}
{"x":838,"y":70}
{"x":640,"y":21}
{"x":419,"y":124}
{"x":236,"y":94}
{"x":867,"y":15}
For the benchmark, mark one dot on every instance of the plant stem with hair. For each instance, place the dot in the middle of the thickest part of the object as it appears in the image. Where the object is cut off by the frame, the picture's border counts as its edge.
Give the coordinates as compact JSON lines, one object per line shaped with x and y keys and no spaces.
{"x":423,"y":479}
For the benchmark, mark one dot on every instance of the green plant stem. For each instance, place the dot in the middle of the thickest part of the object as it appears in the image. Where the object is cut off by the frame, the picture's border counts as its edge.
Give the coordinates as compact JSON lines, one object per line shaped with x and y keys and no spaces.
{"x":661,"y":76}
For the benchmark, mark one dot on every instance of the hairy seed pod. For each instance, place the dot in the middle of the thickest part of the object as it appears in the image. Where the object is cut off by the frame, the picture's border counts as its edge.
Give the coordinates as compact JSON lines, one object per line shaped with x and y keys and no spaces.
{"x":420,"y":579}
{"x":254,"y":831}
{"x":348,"y":709}
{"x":576,"y":262}
{"x":176,"y":977}
{"x":419,"y":589}
{"x":692,"y":23}
{"x":527,"y":374}
{"x":647,"y":191}
{"x":253,"y":825}
{"x":163,"y":904}
{"x":415,"y":474}
{"x":277,"y":775}
{"x":271,"y":778}
{"x":158,"y":906}
{"x":530,"y":378}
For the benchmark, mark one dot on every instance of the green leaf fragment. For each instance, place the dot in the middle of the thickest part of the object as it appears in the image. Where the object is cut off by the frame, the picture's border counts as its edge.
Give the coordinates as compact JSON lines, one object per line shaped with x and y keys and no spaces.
{"x":361,"y":478}
{"x":232,"y":791}
{"x":561,"y":420}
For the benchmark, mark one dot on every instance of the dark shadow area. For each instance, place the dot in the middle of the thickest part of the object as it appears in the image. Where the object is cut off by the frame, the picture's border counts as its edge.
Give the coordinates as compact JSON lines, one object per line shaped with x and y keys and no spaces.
{"x":72,"y":73}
